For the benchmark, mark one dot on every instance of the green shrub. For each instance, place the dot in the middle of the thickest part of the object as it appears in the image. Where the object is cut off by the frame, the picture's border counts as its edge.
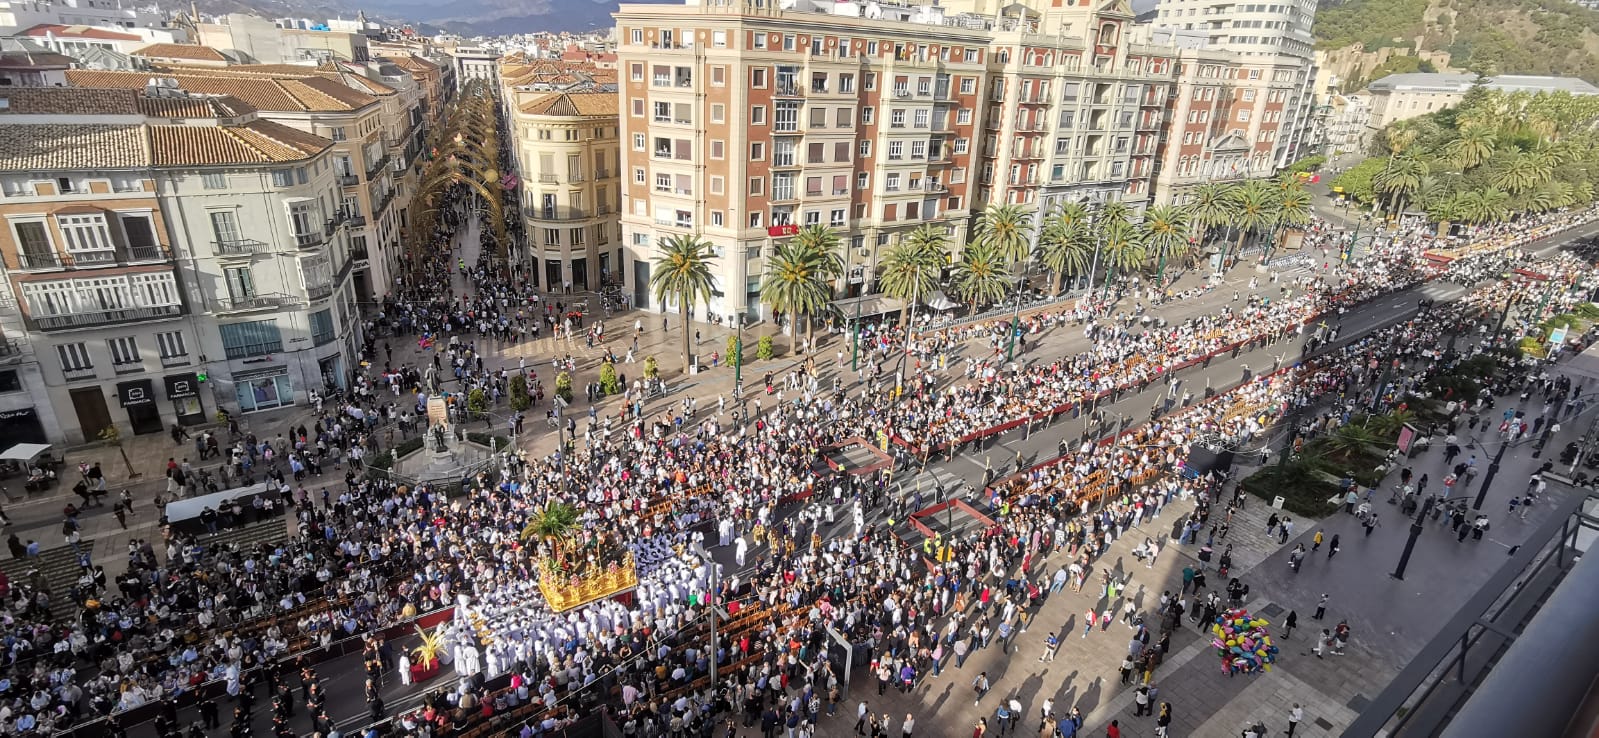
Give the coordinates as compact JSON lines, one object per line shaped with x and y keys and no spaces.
{"x":609,"y":384}
{"x":733,"y":350}
{"x":1307,"y":164}
{"x":517,"y":389}
{"x":765,"y":348}
{"x":1304,"y":489}
{"x":1532,"y":347}
{"x":477,"y":402}
{"x":489,"y":439}
{"x":652,"y":368}
{"x":563,"y":386}
{"x":1587,"y":311}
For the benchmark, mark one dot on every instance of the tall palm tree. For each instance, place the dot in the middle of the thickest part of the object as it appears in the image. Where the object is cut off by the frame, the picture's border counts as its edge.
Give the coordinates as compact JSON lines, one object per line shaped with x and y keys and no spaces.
{"x":683,"y":273}
{"x":1400,"y":136}
{"x":1066,"y":244}
{"x":796,"y":283}
{"x":911,"y":267}
{"x":1520,"y":173}
{"x":1254,"y":206}
{"x":1124,"y":248}
{"x":1472,"y":148}
{"x":981,"y":275}
{"x":1008,"y":229}
{"x":825,"y":243}
{"x":1165,"y":233}
{"x":1483,"y":206}
{"x":1211,"y":204}
{"x":1292,"y":211}
{"x":1399,"y":179}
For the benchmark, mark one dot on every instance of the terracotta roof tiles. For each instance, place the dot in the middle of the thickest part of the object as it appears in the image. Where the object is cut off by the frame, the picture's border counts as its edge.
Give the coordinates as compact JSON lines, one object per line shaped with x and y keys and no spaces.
{"x":181,"y":51}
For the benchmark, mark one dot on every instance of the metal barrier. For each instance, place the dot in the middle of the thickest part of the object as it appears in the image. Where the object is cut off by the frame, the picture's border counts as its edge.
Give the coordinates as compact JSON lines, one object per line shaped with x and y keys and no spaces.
{"x":1449,"y":671}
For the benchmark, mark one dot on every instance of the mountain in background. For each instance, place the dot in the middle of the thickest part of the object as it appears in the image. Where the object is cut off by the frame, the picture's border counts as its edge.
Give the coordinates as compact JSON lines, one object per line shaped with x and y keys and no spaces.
{"x":1554,"y":37}
{"x":466,"y":17}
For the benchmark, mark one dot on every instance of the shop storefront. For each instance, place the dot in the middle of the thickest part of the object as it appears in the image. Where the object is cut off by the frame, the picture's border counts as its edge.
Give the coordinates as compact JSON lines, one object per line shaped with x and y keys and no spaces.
{"x":21,"y":426}
{"x":138,"y":400}
{"x":183,"y":390}
{"x":263,"y":389}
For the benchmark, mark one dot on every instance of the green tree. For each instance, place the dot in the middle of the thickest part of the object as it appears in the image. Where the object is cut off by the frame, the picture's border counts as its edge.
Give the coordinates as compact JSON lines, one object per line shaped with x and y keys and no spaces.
{"x":1164,"y":233}
{"x":609,"y":383}
{"x":1122,"y":246}
{"x":563,"y":386}
{"x":516,"y":389}
{"x":1472,"y":148}
{"x":1293,"y":211}
{"x":683,"y":274}
{"x":1399,"y":179}
{"x":795,"y":284}
{"x":1212,"y":207}
{"x":911,"y":267}
{"x":764,"y":348}
{"x":981,"y":275}
{"x":1254,"y":206}
{"x":1066,"y":243}
{"x":1007,"y":229}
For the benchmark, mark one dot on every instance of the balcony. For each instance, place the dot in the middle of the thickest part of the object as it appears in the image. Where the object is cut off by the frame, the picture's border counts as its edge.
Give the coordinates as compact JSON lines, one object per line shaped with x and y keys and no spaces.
{"x":318,"y":291}
{"x":309,"y":240}
{"x":373,"y":171}
{"x":902,"y":93}
{"x":788,"y":90}
{"x":349,"y":180}
{"x":254,"y":302}
{"x":553,"y":179}
{"x":383,"y":204}
{"x":558,"y":214}
{"x":103,"y":317}
{"x":356,"y":221}
{"x":40,"y":260}
{"x":241,"y":247}
{"x":358,"y":253}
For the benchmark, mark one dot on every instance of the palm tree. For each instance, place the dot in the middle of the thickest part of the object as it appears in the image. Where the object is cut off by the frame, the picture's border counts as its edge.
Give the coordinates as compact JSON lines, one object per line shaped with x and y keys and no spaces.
{"x":1400,"y":178}
{"x":1211,"y":205}
{"x":683,"y":273}
{"x":1400,"y":136}
{"x":1253,"y":208}
{"x":1482,"y":206}
{"x":554,"y":522}
{"x":1293,"y":211}
{"x":796,"y":284}
{"x":911,"y":267}
{"x":981,"y":275}
{"x":1007,"y":228}
{"x":1165,"y":232}
{"x":823,"y":244}
{"x":1124,"y":248}
{"x":1065,"y":245}
{"x":1472,"y":148}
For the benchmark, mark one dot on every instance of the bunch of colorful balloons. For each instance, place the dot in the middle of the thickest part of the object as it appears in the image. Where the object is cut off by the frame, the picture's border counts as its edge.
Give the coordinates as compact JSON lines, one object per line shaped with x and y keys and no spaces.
{"x":1242,"y":642}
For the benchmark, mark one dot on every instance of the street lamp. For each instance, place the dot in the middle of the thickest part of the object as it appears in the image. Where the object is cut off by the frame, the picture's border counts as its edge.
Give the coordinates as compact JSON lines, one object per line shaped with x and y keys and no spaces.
{"x":738,"y":357}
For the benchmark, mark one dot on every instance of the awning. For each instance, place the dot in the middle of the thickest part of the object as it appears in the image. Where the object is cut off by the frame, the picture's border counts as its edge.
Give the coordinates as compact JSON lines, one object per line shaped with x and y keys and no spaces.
{"x":182,"y":385}
{"x":867,"y":306}
{"x":24,"y":452}
{"x":136,"y":392}
{"x":940,"y":301}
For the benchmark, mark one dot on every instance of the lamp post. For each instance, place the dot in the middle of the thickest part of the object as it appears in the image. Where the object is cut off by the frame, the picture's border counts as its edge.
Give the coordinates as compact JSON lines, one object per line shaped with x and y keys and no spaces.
{"x":1487,"y":479}
{"x":1410,"y":545}
{"x":738,"y":356}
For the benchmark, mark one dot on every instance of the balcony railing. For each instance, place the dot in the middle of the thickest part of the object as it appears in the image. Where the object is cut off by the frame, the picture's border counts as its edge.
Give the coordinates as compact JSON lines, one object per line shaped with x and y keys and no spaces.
{"x":383,"y":204}
{"x":557,"y":214}
{"x":358,"y":253}
{"x":377,"y":167}
{"x":318,"y":291}
{"x":549,"y":178}
{"x":40,"y":260}
{"x":109,"y":257}
{"x":254,"y":302}
{"x":309,"y":240}
{"x":349,"y":180}
{"x":101,"y":317}
{"x":789,"y":90}
{"x":241,"y":247}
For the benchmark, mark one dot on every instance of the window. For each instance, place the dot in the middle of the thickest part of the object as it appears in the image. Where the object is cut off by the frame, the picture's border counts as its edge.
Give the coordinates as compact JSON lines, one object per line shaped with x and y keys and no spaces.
{"x":304,"y":222}
{"x":892,"y":182}
{"x":865,"y":149}
{"x":1243,"y":116}
{"x":716,"y":218}
{"x":637,"y":36}
{"x":140,"y":235}
{"x":124,"y":353}
{"x":638,"y":111}
{"x":760,"y":40}
{"x":10,"y":381}
{"x":922,"y":116}
{"x":214,"y":181}
{"x":757,"y":186}
{"x":964,"y":117}
{"x":868,"y":114}
{"x":718,"y":113}
{"x":225,"y":226}
{"x":718,"y":148}
{"x":322,"y":327}
{"x":895,"y":150}
{"x":755,"y":219}
{"x":254,"y":338}
{"x":636,"y":72}
{"x":282,"y":178}
{"x":171,"y":346}
{"x":757,"y":151}
{"x":845,"y":117}
{"x":968,"y":85}
{"x":552,"y":236}
{"x":33,"y":241}
{"x":836,"y":218}
{"x":1249,"y":95}
{"x":718,"y":76}
{"x":717,"y":185}
{"x":862,"y":181}
{"x":577,"y":235}
{"x":846,"y":83}
{"x":813,"y":217}
{"x":88,"y":239}
{"x":896,"y":119}
{"x":638,"y":142}
{"x":758,"y":77}
{"x":758,"y":115}
{"x":74,"y":357}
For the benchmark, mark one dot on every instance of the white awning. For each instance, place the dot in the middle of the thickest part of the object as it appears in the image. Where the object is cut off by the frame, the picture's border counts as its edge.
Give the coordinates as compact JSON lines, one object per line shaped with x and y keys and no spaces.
{"x":867,"y":306}
{"x":24,"y":451}
{"x":940,"y":301}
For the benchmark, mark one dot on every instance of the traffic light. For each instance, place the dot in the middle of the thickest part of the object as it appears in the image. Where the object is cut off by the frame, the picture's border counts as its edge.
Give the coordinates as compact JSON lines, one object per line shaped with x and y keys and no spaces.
{"x":199,"y":376}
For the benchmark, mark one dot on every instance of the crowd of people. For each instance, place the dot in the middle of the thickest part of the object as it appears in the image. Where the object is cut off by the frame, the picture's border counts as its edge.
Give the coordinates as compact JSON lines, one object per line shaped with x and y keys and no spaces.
{"x":373,"y":552}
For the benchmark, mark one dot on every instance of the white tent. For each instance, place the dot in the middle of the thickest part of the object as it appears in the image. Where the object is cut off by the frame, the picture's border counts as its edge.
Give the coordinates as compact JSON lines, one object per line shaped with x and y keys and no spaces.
{"x":24,"y":452}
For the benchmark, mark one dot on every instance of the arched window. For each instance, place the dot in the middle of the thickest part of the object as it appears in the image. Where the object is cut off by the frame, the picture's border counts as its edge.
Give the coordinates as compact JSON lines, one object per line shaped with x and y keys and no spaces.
{"x":1107,"y":34}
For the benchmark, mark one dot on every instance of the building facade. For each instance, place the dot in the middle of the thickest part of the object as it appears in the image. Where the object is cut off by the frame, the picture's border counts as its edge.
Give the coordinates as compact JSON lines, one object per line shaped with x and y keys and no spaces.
{"x":1399,"y":97}
{"x":182,"y":256}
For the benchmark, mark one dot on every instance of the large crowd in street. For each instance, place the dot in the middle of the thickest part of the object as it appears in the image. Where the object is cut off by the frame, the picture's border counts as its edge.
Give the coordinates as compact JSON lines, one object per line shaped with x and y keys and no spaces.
{"x":372,"y":551}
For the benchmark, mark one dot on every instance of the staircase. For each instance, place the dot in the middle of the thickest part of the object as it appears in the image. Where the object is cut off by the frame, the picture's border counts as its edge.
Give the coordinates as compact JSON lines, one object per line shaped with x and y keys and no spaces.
{"x":55,"y":570}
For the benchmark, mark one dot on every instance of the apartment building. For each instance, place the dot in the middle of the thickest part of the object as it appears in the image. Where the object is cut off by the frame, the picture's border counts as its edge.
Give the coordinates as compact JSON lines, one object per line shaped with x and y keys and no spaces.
{"x":742,"y":124}
{"x":1230,"y":118}
{"x":475,"y":62}
{"x":154,"y":238}
{"x":1075,"y":109}
{"x":568,"y":158}
{"x":376,"y":140}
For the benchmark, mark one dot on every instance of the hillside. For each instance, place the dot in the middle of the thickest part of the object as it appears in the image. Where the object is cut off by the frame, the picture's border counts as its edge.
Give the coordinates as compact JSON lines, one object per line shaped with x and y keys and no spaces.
{"x":1492,"y":36}
{"x":468,"y":17}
